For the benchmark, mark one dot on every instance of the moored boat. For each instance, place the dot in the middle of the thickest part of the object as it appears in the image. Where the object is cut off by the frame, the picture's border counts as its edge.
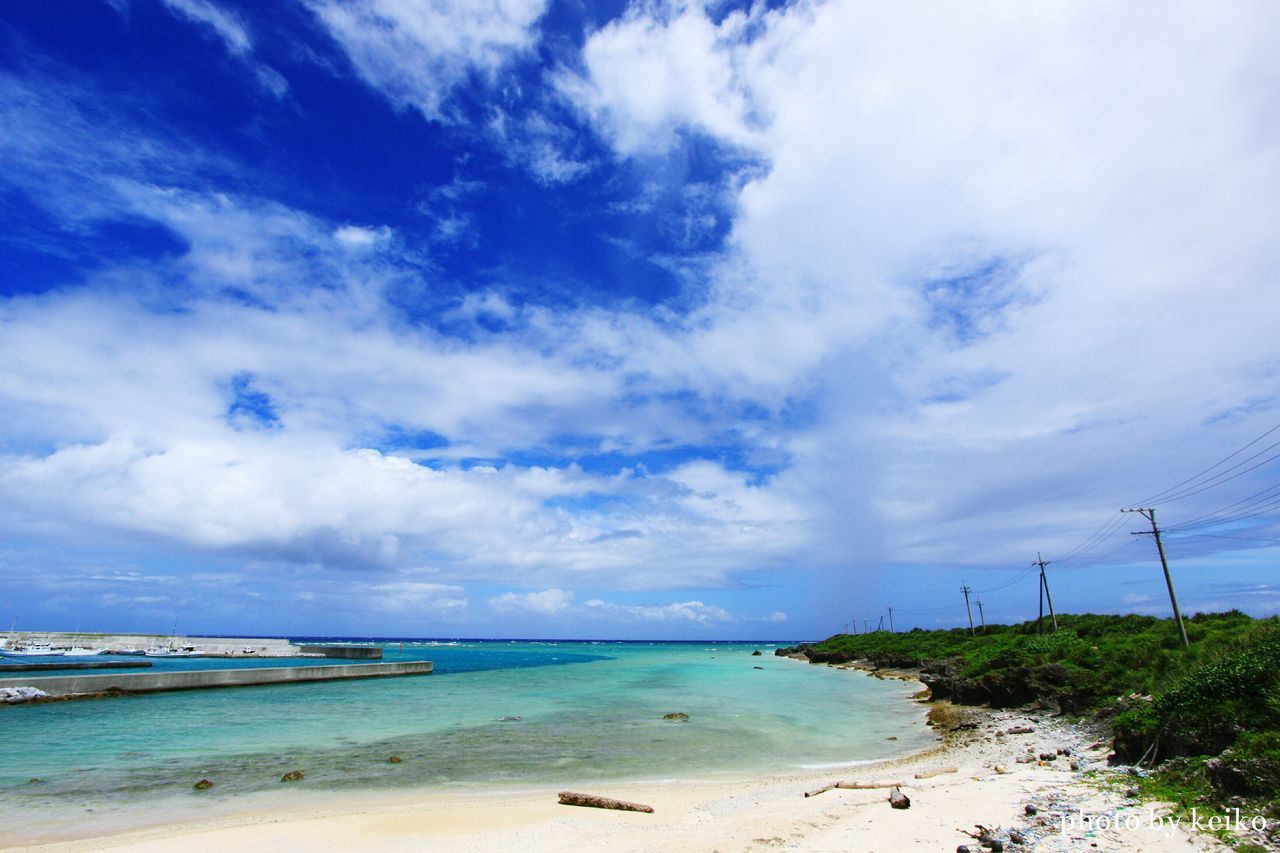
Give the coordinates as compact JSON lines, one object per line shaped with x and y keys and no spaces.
{"x":31,"y":650}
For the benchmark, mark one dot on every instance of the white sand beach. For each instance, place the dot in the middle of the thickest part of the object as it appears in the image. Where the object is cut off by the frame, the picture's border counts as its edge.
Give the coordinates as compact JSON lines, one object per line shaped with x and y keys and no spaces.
{"x":749,"y":814}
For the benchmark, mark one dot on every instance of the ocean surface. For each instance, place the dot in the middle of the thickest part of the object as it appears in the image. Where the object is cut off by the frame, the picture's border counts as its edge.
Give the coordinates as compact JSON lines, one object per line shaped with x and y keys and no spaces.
{"x":504,"y":714}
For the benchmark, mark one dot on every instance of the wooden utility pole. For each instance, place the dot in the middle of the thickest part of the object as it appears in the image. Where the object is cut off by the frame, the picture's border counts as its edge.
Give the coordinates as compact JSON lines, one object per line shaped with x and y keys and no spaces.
{"x":891,"y":631}
{"x":1150,"y":515}
{"x":982,"y":616}
{"x":1044,"y":585}
{"x":965,"y":589}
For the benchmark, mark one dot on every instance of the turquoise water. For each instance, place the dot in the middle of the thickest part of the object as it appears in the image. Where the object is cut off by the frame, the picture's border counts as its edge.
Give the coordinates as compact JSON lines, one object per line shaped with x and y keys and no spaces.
{"x":586,"y":711}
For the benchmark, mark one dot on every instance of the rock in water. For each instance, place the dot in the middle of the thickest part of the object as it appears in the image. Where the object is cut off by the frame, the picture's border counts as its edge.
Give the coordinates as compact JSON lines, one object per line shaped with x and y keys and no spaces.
{"x":395,"y":759}
{"x":756,"y":653}
{"x":899,"y":800}
{"x":676,"y":715}
{"x":292,"y":776}
{"x":203,"y":785}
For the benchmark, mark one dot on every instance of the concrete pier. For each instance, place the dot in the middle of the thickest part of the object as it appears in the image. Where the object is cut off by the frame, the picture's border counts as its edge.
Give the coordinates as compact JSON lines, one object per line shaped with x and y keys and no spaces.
{"x":80,"y":664}
{"x":151,"y":682}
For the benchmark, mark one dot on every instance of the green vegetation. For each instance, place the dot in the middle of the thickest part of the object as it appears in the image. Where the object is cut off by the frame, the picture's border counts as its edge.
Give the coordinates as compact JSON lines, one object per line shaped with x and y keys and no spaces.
{"x":1208,"y":715}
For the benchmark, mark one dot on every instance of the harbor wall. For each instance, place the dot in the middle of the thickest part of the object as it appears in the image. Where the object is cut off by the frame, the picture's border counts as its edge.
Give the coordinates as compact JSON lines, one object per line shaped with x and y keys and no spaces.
{"x":350,"y":652}
{"x":201,"y":679}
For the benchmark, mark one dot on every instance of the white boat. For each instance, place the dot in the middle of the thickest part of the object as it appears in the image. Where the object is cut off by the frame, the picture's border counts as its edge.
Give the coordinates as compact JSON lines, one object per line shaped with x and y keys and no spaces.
{"x":31,"y":650}
{"x":81,"y":652}
{"x":167,"y":653}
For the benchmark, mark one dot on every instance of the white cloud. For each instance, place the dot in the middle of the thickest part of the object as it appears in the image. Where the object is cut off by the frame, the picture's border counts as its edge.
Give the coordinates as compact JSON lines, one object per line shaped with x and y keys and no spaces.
{"x":547,"y":602}
{"x":776,"y":616}
{"x":440,"y":600}
{"x":231,"y":31}
{"x":1000,"y":246}
{"x":416,"y":53}
{"x":360,"y":237}
{"x":689,"y":612}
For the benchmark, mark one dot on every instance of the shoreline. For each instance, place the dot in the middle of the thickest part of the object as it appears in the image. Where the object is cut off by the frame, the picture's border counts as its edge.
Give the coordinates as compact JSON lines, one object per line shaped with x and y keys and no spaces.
{"x":973,"y":778}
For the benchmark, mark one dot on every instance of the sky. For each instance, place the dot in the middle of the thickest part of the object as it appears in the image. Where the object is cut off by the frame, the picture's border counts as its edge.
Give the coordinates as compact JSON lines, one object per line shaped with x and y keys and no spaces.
{"x":546,"y":318}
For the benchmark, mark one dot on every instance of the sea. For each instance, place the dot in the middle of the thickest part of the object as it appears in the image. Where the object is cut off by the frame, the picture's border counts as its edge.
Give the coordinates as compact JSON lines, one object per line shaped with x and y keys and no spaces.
{"x":495,"y":715}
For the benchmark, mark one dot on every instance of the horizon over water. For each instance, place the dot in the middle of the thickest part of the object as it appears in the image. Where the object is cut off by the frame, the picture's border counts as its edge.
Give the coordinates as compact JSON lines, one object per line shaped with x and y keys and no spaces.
{"x":511,"y":713}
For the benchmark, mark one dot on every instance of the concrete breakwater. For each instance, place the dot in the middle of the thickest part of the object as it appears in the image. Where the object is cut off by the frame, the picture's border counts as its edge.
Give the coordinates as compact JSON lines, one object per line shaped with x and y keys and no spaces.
{"x":127,"y":663}
{"x":151,"y":682}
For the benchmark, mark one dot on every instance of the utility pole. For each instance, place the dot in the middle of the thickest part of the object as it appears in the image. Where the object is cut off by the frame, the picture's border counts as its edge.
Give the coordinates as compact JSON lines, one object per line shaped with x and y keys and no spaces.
{"x":1150,"y":515}
{"x":965,"y":589}
{"x":891,"y":631}
{"x":982,"y":616}
{"x":1044,"y":585}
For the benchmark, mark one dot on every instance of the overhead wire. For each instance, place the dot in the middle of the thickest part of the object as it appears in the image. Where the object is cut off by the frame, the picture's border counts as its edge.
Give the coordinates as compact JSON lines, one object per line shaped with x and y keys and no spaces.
{"x":1160,"y":495}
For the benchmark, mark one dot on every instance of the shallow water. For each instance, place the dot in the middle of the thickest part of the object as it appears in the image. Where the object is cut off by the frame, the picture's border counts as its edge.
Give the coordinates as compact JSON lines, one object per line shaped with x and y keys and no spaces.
{"x":586,"y":711}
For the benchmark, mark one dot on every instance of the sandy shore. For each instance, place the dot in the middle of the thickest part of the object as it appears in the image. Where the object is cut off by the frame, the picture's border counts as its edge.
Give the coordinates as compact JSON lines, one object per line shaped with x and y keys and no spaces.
{"x":754,"y":814}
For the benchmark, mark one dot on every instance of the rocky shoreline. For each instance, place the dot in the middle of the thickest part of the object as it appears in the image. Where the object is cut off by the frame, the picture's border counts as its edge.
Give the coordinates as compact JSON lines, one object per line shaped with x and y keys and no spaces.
{"x":1016,"y":722}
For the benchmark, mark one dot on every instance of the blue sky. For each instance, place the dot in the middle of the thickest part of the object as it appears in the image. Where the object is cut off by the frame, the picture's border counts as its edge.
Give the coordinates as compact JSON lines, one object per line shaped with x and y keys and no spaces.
{"x":631,"y":320}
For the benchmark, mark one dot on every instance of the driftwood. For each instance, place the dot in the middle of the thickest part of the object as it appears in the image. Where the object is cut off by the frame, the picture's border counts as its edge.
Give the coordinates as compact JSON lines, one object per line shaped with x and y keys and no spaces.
{"x":930,"y":774}
{"x":570,"y":798}
{"x":899,"y":800}
{"x":852,"y":786}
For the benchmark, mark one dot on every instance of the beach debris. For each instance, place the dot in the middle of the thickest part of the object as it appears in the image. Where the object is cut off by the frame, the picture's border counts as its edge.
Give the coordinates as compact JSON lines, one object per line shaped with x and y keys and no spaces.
{"x":572,"y":798}
{"x":203,"y":785}
{"x":292,"y":776}
{"x":899,"y":800}
{"x":679,"y":716}
{"x":510,"y":719}
{"x":1030,"y":810}
{"x":988,"y":838}
{"x":929,"y":774}
{"x":892,"y":737}
{"x":395,"y":759}
{"x":757,"y":667}
{"x":1020,"y":730}
{"x":853,"y":786}
{"x":35,"y":780}
{"x":1001,"y":769}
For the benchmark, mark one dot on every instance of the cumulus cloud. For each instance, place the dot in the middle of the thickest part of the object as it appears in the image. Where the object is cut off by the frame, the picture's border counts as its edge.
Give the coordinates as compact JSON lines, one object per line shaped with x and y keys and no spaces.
{"x":690,"y":612}
{"x":547,"y":602}
{"x":973,"y":236}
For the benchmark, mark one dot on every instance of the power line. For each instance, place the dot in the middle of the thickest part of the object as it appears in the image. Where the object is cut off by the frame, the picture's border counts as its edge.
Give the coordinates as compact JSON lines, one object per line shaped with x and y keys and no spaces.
{"x":1159,"y":495}
{"x":1102,"y":534}
{"x":1260,"y":497}
{"x":1214,"y":482}
{"x":1253,"y":512}
{"x":1180,"y":535}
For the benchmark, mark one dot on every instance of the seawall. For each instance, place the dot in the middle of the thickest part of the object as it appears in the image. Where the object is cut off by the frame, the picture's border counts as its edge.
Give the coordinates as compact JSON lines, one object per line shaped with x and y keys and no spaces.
{"x":151,"y":682}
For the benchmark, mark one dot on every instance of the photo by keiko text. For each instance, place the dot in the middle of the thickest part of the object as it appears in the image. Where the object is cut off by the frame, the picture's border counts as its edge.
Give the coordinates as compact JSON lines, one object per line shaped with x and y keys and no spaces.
{"x":1230,"y":821}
